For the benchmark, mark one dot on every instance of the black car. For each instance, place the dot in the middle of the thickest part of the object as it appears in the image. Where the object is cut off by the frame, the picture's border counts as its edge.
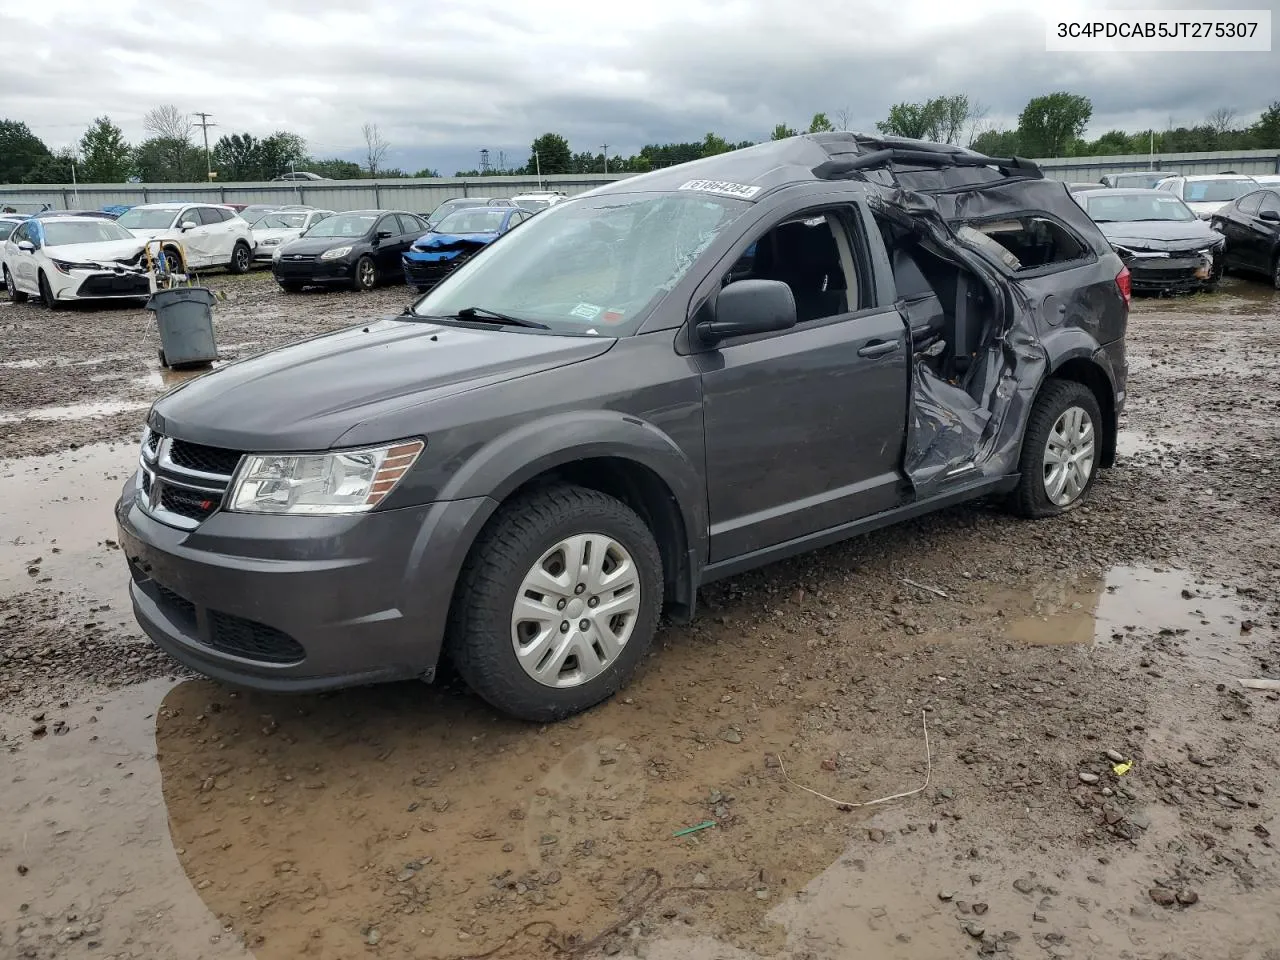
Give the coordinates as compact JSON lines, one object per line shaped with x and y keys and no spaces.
{"x":1167,"y":248}
{"x":1252,"y":228}
{"x":357,"y":249}
{"x":668,"y":380}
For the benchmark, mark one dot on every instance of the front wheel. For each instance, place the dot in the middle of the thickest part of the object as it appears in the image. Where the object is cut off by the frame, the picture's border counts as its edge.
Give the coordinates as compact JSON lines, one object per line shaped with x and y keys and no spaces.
{"x":366,"y":274}
{"x":556,"y":604}
{"x":1060,"y":450}
{"x":241,"y":258}
{"x":46,"y":294}
{"x":1275,"y":272}
{"x":16,"y":295}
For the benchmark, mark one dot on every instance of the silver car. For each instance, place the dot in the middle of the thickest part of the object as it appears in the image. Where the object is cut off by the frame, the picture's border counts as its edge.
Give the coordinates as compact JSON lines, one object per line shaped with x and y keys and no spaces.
{"x":278,"y":228}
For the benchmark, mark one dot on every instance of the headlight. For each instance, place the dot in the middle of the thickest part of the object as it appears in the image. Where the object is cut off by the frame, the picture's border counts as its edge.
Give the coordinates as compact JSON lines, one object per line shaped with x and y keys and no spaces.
{"x":352,"y":481}
{"x":335,"y":253}
{"x":66,"y":266}
{"x":270,"y":241}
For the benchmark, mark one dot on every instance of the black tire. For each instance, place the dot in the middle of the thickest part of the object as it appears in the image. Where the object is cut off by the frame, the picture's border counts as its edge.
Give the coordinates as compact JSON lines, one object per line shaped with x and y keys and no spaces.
{"x":173,"y":260}
{"x":365,"y":275}
{"x":46,"y":294}
{"x":160,"y":356}
{"x":289,"y":286}
{"x":1031,"y":498}
{"x":241,"y":258}
{"x":480,"y":631}
{"x":16,"y":295}
{"x":1275,"y":272}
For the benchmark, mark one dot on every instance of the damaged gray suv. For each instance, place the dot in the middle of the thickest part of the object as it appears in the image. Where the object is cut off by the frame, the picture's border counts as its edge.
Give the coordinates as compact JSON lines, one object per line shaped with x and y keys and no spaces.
{"x":665,"y":381}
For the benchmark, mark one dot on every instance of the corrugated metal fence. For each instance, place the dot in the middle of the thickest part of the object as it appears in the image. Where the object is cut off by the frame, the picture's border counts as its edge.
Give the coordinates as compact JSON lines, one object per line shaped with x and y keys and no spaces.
{"x":422,"y":196}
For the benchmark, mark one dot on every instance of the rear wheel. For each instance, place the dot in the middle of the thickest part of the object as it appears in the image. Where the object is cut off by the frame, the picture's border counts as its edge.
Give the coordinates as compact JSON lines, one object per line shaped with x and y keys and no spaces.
{"x":1275,"y":272}
{"x":16,"y":295}
{"x":1060,"y":450}
{"x":556,"y":604}
{"x":241,"y":258}
{"x":366,"y":274}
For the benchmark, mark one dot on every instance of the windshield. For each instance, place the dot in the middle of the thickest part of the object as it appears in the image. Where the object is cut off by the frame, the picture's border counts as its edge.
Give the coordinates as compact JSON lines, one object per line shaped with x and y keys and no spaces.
{"x":533,"y":204}
{"x":1138,"y":179}
{"x":344,"y":225}
{"x":591,"y":266}
{"x":1213,"y":191}
{"x":479,"y":220}
{"x":1105,"y":209}
{"x":281,"y":221}
{"x":153,"y":219}
{"x":58,"y":233}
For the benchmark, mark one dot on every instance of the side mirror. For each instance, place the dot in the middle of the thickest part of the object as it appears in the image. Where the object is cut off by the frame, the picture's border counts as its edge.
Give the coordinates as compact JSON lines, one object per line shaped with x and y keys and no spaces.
{"x":749,"y":307}
{"x":26,"y":246}
{"x":384,"y":234}
{"x":1272,"y":215}
{"x":188,"y":225}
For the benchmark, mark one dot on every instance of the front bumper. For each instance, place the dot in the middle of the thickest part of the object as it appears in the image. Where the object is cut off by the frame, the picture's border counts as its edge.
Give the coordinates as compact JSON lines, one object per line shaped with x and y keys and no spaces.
{"x":298,"y":604}
{"x":1176,"y":273}
{"x":424,"y":269}
{"x":99,"y":284}
{"x":313,"y":271}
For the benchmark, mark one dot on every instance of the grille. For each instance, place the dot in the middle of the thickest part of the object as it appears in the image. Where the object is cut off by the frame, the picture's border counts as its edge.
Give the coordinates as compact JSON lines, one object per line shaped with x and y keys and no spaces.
{"x":193,"y":456}
{"x":179,"y":608}
{"x":191,"y":504}
{"x":252,"y":640}
{"x":105,"y":285}
{"x":153,"y":441}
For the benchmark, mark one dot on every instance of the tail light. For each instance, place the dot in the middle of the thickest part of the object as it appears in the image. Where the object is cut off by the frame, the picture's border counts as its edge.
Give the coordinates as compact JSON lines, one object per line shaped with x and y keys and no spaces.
{"x":1124,"y":285}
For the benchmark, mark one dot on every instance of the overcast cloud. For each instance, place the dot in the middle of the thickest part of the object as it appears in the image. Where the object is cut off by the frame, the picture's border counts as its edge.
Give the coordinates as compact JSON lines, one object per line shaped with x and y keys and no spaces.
{"x":447,"y":77}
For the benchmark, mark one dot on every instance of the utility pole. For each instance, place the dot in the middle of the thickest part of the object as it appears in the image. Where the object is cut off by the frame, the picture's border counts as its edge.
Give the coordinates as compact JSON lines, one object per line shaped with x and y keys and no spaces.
{"x":537,"y":163}
{"x":204,"y":125}
{"x":604,"y":149}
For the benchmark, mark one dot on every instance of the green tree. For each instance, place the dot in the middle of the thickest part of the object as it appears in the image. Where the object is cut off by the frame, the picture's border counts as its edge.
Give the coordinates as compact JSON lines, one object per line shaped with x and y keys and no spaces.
{"x":917,"y":121}
{"x":20,"y":151}
{"x":238,"y":158}
{"x":427,"y":172}
{"x":781,"y":132}
{"x":334,"y":169}
{"x":1265,"y":133}
{"x":1050,"y":125}
{"x":820,"y":124}
{"x":282,"y":151}
{"x":105,"y":155}
{"x":997,"y":143}
{"x":168,"y":160}
{"x":713,"y":144}
{"x":55,"y":168}
{"x":550,"y":154}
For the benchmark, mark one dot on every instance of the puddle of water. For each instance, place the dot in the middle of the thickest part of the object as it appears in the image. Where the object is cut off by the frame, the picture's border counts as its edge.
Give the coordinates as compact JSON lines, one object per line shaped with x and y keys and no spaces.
{"x":1205,"y":619}
{"x":58,"y":511}
{"x":162,"y":378}
{"x":89,"y":869}
{"x":74,"y":411}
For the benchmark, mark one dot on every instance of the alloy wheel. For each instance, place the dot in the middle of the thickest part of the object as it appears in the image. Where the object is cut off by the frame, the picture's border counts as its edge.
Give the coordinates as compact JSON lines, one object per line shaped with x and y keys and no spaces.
{"x":1069,"y":456}
{"x":575,"y":610}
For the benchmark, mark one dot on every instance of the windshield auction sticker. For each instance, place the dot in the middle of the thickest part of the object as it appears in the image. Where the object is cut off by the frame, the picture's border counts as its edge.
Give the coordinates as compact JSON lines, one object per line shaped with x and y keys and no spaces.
{"x":1142,"y":31}
{"x":723,"y":187}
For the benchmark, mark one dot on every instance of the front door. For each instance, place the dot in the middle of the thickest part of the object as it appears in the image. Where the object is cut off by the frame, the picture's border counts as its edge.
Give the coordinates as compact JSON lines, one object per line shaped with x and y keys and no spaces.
{"x":387,"y":249}
{"x":1262,"y":234}
{"x":22,"y":264}
{"x":195,"y":241}
{"x":805,"y":428}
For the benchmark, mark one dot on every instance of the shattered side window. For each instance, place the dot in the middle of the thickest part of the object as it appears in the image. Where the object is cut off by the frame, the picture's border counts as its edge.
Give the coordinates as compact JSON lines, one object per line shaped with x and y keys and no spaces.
{"x":1026,"y":242}
{"x":976,"y":238}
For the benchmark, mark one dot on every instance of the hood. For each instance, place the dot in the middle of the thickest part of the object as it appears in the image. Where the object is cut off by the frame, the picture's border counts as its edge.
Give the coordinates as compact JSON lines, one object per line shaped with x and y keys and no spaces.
{"x":315,"y":245}
{"x":152,"y":234}
{"x":1206,"y":207}
{"x":432,"y":240}
{"x":278,"y":234}
{"x":1161,"y":234}
{"x":108,"y":251}
{"x":306,"y":396}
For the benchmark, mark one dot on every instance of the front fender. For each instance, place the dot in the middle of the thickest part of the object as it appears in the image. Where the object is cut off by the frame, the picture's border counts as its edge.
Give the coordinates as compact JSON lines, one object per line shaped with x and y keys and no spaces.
{"x":512,"y":459}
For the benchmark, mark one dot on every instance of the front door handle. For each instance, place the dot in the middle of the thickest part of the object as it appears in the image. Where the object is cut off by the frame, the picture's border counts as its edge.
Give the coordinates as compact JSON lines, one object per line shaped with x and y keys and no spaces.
{"x":878,"y":348}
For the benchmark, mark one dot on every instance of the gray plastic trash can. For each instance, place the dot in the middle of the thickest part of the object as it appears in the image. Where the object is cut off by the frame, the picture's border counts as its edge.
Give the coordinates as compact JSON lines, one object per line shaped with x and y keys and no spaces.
{"x":185,"y":318}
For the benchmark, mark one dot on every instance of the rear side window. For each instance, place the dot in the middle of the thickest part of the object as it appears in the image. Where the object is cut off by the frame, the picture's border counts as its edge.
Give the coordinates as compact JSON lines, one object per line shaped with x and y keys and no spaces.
{"x":1026,"y":243}
{"x":1250,"y":203}
{"x":1270,"y":202}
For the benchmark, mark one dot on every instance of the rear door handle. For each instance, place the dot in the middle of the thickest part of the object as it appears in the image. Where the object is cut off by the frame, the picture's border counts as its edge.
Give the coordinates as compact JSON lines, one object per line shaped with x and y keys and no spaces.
{"x":878,"y":348}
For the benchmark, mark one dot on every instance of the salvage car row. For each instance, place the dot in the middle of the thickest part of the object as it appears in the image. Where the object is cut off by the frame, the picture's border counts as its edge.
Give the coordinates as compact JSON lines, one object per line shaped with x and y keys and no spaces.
{"x":64,"y":256}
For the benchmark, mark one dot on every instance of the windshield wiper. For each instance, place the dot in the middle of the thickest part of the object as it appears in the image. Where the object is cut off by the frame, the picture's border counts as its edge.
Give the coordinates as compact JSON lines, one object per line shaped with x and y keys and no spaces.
{"x":486,"y":315}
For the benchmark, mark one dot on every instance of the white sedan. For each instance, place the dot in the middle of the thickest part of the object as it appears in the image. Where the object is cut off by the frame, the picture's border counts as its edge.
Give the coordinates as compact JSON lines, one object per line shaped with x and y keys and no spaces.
{"x":60,"y":259}
{"x":193,"y":235}
{"x":275,"y":229}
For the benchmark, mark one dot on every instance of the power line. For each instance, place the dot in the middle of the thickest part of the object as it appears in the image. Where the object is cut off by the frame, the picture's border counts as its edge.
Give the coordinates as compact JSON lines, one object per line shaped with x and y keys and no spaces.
{"x":204,"y":125}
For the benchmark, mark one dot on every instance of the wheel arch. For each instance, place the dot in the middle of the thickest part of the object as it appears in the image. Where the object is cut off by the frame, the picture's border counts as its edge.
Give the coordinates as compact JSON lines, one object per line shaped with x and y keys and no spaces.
{"x":1082,"y":367}
{"x":615,"y":454}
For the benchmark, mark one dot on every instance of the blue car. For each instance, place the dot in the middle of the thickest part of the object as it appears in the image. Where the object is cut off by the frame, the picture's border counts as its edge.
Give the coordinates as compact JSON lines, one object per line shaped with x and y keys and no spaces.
{"x":455,"y":240}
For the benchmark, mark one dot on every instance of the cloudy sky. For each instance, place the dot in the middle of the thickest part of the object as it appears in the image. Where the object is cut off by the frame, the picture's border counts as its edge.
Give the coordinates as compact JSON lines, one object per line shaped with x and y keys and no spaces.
{"x":446,"y":77}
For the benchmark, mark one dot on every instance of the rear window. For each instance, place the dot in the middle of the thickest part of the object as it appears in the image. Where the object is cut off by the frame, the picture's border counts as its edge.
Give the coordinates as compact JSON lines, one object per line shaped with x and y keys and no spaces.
{"x":1025,"y":243}
{"x":1216,"y":191}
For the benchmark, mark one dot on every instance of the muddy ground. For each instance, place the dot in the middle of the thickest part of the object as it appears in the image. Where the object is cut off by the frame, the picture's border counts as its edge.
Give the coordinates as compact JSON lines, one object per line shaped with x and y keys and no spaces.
{"x":1095,"y":781}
